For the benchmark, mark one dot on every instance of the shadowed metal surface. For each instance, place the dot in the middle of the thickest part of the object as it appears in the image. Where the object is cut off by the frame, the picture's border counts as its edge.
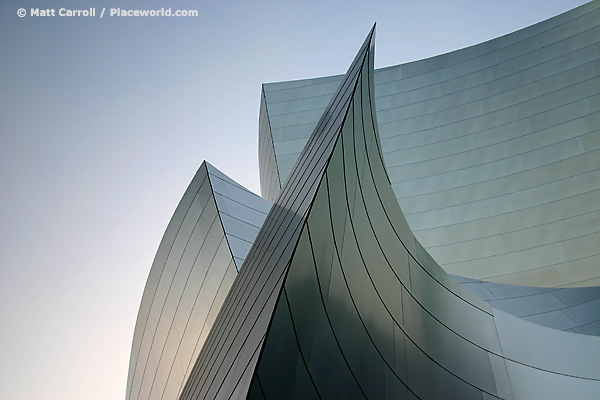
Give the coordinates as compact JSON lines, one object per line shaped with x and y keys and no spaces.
{"x":492,"y":150}
{"x":227,"y":362}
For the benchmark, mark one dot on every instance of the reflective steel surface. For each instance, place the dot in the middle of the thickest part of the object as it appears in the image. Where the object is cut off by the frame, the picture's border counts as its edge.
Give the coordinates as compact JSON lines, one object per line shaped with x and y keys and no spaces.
{"x":489,"y":147}
{"x":197,"y":261}
{"x":493,"y":151}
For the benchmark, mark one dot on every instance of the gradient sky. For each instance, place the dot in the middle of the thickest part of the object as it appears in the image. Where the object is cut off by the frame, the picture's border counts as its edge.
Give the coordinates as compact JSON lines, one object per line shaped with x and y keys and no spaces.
{"x":103,"y":123}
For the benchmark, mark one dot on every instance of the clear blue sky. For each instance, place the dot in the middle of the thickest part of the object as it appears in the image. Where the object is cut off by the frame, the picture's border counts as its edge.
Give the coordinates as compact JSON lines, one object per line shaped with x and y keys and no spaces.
{"x":103,"y":123}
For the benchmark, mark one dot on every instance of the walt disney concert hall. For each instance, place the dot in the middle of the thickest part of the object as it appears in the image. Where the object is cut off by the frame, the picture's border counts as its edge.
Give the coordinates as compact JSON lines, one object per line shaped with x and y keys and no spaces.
{"x":429,"y":230}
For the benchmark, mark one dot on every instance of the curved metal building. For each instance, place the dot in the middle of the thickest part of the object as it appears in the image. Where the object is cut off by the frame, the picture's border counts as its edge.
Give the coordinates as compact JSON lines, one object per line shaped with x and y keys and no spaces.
{"x":493,"y":151}
{"x":197,"y":261}
{"x":327,"y":293}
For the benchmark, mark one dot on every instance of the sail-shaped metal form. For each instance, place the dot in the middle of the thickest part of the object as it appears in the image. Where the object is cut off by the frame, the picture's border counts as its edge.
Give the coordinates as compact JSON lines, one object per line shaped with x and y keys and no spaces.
{"x":197,"y":261}
{"x":227,"y":363}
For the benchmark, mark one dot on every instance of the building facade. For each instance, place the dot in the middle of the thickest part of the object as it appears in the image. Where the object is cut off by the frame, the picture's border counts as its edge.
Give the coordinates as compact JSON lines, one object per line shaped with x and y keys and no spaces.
{"x":335,"y":291}
{"x":493,"y":150}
